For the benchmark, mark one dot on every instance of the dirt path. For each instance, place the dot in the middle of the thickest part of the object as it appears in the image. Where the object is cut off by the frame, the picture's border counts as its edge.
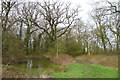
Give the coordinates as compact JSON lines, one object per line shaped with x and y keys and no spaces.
{"x":105,"y":60}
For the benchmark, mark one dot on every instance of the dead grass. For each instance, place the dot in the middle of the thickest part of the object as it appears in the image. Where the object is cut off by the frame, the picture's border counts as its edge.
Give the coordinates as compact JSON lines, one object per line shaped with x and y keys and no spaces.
{"x":62,"y":59}
{"x":10,"y":72}
{"x":105,"y":60}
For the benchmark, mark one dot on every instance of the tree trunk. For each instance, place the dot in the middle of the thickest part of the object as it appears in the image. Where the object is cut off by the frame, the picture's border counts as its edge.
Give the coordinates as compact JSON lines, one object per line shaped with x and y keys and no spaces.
{"x":27,"y":38}
{"x":102,"y":38}
{"x":20,"y":32}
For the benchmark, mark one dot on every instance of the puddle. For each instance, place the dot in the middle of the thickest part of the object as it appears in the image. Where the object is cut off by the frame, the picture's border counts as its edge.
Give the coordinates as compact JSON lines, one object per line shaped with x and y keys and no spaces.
{"x":30,"y":65}
{"x":33,"y":63}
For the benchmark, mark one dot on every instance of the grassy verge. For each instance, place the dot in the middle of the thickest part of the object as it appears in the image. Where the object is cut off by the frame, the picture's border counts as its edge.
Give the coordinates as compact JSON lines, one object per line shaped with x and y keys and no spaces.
{"x":87,"y":71}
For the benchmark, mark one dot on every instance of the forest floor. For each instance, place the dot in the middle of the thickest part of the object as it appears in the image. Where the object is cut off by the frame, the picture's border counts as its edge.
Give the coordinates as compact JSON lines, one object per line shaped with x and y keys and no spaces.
{"x":104,"y":60}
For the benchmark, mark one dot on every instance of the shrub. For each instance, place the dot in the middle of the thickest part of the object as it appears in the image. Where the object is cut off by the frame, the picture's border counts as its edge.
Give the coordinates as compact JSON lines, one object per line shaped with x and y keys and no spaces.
{"x":62,"y":59}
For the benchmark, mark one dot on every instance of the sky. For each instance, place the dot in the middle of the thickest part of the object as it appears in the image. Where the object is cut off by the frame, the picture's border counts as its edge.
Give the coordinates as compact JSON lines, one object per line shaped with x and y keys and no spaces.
{"x":85,"y":6}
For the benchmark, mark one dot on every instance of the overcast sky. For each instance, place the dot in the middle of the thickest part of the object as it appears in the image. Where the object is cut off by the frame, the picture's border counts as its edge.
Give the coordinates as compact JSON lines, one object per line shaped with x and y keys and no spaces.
{"x":86,"y":6}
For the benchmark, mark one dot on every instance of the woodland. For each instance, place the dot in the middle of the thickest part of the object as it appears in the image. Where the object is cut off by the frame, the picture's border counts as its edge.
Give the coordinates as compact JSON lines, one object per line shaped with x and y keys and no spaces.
{"x":52,"y":34}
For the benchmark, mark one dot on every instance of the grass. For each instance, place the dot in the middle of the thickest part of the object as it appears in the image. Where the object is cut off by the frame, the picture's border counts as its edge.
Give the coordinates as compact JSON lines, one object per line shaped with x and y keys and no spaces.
{"x":38,"y":72}
{"x":87,"y":71}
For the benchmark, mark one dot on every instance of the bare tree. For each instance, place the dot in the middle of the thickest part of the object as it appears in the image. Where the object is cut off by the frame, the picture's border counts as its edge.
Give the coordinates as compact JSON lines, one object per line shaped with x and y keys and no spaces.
{"x":114,"y":25}
{"x":26,"y":15}
{"x":107,"y":21}
{"x":7,"y":21}
{"x":114,"y":6}
{"x":99,"y":18}
{"x":7,"y":17}
{"x":113,"y":22}
{"x":57,"y":18}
